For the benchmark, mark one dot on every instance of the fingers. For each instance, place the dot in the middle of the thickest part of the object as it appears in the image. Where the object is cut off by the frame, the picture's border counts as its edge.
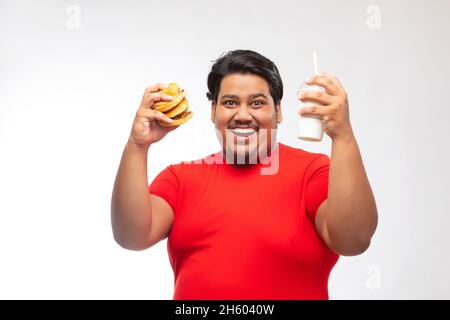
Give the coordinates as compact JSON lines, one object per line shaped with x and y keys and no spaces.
{"x":313,"y":111}
{"x":335,"y":80}
{"x":327,"y":81}
{"x":171,"y":128}
{"x":155,"y":87}
{"x":316,"y":96}
{"x":159,"y":96}
{"x":150,"y":98}
{"x":151,"y":114}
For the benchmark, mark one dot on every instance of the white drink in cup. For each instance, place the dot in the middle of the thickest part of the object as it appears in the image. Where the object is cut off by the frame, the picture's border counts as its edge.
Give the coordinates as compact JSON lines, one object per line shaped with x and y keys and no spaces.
{"x":310,"y":128}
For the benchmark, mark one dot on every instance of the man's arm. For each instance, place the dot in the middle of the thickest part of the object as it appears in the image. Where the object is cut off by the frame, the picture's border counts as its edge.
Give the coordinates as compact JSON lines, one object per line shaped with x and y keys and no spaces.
{"x":347,"y":220}
{"x":138,"y":219}
{"x":131,"y":210}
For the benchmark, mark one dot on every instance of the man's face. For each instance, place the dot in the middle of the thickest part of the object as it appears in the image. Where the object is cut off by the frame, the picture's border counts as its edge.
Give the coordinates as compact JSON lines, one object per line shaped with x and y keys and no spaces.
{"x":245,"y":117}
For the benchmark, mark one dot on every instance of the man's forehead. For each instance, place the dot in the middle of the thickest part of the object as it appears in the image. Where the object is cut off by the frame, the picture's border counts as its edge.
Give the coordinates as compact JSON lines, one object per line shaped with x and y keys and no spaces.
{"x":237,"y":95}
{"x":244,"y":85}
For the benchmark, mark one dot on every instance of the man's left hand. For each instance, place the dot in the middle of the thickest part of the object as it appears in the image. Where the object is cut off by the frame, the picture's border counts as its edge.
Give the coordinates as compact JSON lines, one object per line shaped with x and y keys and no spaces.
{"x":331,"y":106}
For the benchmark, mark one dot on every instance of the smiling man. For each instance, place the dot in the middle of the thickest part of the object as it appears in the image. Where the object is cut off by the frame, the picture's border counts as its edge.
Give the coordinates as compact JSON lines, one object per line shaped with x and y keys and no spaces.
{"x":238,"y":226}
{"x":246,"y":116}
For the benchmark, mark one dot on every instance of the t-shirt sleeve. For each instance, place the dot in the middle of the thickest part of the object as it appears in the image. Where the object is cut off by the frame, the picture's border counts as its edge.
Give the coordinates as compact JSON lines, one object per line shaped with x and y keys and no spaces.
{"x":317,"y":185}
{"x":165,"y":185}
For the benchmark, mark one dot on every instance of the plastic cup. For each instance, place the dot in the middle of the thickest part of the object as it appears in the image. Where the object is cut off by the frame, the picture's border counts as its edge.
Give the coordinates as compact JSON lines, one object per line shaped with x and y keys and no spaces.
{"x":310,"y":128}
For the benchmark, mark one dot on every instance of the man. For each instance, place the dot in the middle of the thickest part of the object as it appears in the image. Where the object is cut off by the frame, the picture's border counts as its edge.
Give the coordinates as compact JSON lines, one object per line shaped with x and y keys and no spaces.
{"x":234,"y":230}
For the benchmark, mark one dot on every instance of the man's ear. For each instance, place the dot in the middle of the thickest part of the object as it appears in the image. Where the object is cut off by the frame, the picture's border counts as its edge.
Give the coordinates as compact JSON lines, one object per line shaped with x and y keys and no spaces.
{"x":279,"y":115}
{"x":213,"y":111}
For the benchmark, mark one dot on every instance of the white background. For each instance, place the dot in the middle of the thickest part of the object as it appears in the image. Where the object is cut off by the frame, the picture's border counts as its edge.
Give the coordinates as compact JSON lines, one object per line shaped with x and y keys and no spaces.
{"x":70,"y":86}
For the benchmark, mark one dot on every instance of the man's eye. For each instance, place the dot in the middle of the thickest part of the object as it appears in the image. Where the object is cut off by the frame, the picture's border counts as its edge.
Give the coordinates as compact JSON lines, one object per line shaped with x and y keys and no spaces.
{"x":258,"y":103}
{"x":228,"y":103}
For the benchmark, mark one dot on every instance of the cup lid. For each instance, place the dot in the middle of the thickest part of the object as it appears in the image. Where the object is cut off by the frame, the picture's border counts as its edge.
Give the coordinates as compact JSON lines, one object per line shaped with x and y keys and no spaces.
{"x":306,"y":87}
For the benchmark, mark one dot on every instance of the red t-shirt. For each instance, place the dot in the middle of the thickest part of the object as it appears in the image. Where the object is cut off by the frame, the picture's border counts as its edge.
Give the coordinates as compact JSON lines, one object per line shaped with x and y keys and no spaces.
{"x":239,"y":233}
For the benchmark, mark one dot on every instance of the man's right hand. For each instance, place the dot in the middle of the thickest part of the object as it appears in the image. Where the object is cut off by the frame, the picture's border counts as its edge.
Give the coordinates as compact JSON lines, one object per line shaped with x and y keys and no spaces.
{"x":146,"y":130}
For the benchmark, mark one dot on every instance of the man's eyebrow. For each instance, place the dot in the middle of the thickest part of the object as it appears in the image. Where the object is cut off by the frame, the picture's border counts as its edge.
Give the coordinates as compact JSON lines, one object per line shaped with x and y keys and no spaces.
{"x":252,"y":96}
{"x":257,"y":95}
{"x":230,"y":96}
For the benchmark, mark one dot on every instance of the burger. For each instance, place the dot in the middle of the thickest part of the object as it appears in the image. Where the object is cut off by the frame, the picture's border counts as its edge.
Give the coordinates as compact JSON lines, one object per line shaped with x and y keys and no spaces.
{"x":177,"y":109}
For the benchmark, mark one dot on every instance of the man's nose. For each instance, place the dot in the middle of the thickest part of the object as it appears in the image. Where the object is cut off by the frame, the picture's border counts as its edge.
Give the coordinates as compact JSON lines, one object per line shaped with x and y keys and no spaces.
{"x":243,"y":114}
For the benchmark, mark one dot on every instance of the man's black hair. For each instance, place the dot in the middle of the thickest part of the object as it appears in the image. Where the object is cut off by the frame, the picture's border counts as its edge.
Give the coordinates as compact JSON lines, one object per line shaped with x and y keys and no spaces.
{"x":244,"y":61}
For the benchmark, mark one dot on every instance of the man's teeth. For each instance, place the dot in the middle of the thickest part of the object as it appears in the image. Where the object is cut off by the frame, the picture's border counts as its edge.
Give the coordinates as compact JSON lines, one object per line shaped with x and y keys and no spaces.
{"x":245,"y":131}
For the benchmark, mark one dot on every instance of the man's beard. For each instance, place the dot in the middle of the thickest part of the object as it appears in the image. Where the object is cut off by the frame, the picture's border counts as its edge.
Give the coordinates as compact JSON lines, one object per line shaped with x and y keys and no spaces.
{"x":250,"y":150}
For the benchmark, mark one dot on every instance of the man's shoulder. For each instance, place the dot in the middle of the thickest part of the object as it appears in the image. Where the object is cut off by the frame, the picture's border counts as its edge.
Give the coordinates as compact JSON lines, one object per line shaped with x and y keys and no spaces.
{"x":198,"y":163}
{"x":300,"y":154}
{"x":302,"y":161}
